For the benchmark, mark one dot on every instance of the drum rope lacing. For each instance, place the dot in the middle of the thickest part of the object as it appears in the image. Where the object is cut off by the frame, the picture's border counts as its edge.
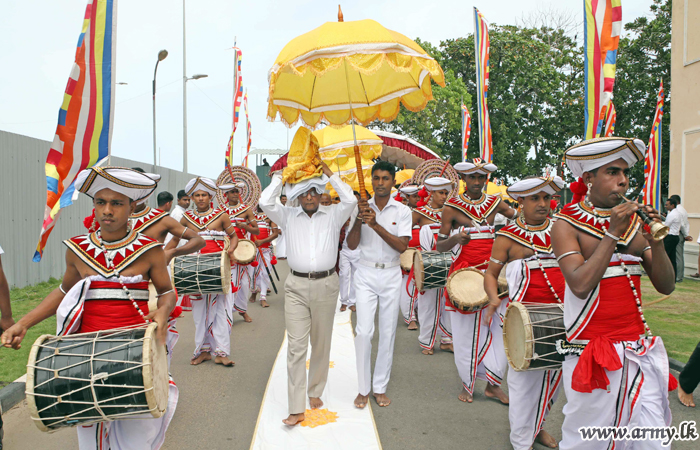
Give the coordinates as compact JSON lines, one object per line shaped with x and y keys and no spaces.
{"x":599,"y":219}
{"x":530,"y":236}
{"x":110,"y":265}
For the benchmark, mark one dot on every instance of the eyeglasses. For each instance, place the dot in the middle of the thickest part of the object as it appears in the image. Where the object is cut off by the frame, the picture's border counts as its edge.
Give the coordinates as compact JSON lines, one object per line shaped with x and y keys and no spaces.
{"x":312,"y":192}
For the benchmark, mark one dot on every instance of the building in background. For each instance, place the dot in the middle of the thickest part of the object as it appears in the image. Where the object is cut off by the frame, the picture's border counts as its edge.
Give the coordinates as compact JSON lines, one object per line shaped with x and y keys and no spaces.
{"x":685,"y":120}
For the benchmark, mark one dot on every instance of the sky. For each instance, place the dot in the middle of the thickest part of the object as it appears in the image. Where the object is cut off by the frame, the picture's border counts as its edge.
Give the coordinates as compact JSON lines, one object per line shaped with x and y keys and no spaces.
{"x":39,"y":39}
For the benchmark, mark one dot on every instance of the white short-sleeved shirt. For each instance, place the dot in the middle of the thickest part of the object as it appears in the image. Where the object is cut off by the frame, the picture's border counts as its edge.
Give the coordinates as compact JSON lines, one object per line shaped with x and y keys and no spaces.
{"x":396,"y":219}
{"x":1,"y":252}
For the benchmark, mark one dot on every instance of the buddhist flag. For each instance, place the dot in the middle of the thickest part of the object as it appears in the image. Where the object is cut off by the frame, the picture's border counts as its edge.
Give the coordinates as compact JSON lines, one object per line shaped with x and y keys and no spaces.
{"x":652,"y":161}
{"x":602,"y":26}
{"x":481,"y":47}
{"x":610,"y":119}
{"x":466,"y":130}
{"x":84,"y":130}
{"x":237,"y":96}
{"x":248,"y":130}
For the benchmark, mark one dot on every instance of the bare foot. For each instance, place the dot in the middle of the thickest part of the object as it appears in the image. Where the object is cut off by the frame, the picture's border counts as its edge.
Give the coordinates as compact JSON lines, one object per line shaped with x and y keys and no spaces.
{"x":685,"y":398}
{"x":246,"y":317}
{"x":465,"y":396}
{"x":497,"y":393}
{"x":361,"y":401}
{"x":427,"y":351}
{"x":315,"y":402}
{"x":264,"y":303}
{"x":413,"y":325}
{"x":205,"y":356}
{"x":447,"y":348}
{"x":352,"y":308}
{"x":546,"y":439}
{"x":252,"y":298}
{"x":343,"y":307}
{"x":224,"y":361}
{"x":382,"y":399}
{"x":293,"y":419}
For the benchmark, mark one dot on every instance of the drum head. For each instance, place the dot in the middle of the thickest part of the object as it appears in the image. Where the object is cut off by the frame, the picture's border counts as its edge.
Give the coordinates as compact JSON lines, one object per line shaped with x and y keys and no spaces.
{"x":406,"y":259}
{"x":517,"y":337}
{"x":466,"y":289}
{"x":225,"y":273}
{"x":31,"y":402}
{"x":418,"y":270}
{"x":155,"y":373}
{"x":244,"y":252}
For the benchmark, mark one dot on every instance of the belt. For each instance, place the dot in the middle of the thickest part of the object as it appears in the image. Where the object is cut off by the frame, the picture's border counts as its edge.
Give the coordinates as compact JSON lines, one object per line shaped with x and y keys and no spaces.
{"x":377,"y":265}
{"x":313,"y":275}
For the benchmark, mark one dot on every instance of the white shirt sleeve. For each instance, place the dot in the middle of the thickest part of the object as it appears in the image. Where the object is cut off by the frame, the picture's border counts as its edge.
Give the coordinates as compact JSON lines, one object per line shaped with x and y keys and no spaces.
{"x":405,"y":222}
{"x":268,"y":202}
{"x":348,"y":201}
{"x":673,"y":222}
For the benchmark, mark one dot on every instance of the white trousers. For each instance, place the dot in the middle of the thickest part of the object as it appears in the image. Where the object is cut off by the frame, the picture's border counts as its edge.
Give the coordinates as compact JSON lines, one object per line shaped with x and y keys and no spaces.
{"x":212,"y":324}
{"x":241,"y":279}
{"x":406,"y":301}
{"x":376,"y":287}
{"x":347,"y":261}
{"x":445,"y":323}
{"x":531,"y":393}
{"x":430,"y":316}
{"x":262,"y":280}
{"x":479,"y":351}
{"x":133,"y":434}
{"x":638,"y":397}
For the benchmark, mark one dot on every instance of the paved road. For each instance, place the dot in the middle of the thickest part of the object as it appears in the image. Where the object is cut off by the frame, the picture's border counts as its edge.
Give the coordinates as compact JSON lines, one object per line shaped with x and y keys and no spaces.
{"x":218,"y":406}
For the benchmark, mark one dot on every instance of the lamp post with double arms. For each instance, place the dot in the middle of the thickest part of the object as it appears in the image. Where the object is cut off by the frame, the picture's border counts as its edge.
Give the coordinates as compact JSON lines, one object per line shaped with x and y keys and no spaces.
{"x":161,"y":56}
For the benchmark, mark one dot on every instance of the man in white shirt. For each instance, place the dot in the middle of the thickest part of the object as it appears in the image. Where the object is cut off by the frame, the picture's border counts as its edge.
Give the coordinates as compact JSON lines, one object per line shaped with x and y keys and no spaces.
{"x":683,"y":236}
{"x":674,"y":221}
{"x":382,"y":235}
{"x":183,"y":203}
{"x":311,"y":290}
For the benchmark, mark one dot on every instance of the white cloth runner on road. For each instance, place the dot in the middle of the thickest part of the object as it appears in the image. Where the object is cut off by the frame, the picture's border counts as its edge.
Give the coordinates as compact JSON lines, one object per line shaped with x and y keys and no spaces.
{"x":354,"y":428}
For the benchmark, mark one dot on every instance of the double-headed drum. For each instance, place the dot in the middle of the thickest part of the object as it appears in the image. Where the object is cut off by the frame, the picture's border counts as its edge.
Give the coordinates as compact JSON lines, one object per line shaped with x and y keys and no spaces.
{"x":94,"y":377}
{"x":466,"y":289}
{"x":209,"y":273}
{"x":532,"y":335}
{"x":244,"y":252}
{"x":406,"y":259}
{"x":430,"y":269}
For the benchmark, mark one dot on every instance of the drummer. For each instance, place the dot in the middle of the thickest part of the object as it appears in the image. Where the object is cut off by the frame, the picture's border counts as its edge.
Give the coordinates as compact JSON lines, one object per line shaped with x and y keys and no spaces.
{"x":602,"y":246}
{"x":211,"y":312}
{"x":409,"y":194}
{"x":105,"y":286}
{"x":261,"y":276}
{"x":533,"y":277}
{"x":431,"y":304}
{"x":471,"y":216}
{"x":246,"y":226}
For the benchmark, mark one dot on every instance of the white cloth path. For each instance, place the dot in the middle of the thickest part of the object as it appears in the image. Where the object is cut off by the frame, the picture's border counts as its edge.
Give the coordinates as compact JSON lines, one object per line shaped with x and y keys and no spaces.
{"x":354,"y":428}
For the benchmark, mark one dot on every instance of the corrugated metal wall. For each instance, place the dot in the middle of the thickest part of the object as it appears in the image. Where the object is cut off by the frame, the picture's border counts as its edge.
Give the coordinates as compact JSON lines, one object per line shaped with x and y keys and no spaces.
{"x":23,"y":190}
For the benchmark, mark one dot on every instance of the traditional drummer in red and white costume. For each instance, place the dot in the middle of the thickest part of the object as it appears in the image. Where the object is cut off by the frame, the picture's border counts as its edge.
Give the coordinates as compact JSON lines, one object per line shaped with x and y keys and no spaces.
{"x":261,"y":275}
{"x":467,"y":222}
{"x":533,"y":277}
{"x":621,"y":378}
{"x":431,"y":303}
{"x":211,"y":312}
{"x":105,"y":286}
{"x":407,"y":293}
{"x":243,"y":219}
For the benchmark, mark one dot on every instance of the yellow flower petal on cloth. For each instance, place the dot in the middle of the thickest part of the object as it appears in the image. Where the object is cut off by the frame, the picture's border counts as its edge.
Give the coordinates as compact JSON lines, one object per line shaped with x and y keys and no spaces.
{"x":316,"y":417}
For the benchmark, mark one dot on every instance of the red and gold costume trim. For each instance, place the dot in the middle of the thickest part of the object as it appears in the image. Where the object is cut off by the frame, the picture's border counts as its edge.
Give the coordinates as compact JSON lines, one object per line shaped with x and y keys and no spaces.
{"x":124,"y":252}
{"x":477,"y":210}
{"x":432,"y":214}
{"x":234,"y":211}
{"x":200,"y":221}
{"x":144,"y":219}
{"x":592,"y":222}
{"x":518,"y":231}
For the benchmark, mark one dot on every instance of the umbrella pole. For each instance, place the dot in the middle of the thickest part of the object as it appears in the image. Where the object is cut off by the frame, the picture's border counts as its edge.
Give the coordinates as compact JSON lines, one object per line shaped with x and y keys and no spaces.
{"x":358,"y":160}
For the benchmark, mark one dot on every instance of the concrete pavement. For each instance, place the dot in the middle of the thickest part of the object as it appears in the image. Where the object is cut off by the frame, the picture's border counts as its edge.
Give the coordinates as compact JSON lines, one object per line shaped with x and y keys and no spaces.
{"x":218,"y":407}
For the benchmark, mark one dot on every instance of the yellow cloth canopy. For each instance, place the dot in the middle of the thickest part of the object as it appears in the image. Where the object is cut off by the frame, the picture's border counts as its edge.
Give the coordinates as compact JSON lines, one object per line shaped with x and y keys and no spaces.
{"x":338,"y":144}
{"x":317,"y":74}
{"x":403,"y":175}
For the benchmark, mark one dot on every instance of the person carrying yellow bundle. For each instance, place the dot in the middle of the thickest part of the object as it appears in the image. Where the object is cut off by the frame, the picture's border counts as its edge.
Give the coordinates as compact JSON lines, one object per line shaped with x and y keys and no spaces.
{"x":303,"y":161}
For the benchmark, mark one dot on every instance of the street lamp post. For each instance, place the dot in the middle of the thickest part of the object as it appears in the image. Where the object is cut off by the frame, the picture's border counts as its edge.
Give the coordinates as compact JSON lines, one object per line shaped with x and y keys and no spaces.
{"x":184,"y":118}
{"x":161,"y":56}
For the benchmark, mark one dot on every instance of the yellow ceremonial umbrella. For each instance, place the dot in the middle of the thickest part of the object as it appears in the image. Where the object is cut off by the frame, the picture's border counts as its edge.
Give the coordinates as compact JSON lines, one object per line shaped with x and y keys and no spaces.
{"x":347,"y":72}
{"x":403,"y":175}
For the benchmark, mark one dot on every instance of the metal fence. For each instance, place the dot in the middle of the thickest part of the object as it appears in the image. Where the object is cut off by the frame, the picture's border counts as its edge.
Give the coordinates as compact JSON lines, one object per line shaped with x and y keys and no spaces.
{"x":23,"y":187}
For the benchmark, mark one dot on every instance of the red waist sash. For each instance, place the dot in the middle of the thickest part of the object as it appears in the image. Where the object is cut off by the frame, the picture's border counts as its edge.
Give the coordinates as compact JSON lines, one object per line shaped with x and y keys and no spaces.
{"x":616,"y":319}
{"x":213,"y":246}
{"x":538,"y":291}
{"x":415,"y":238}
{"x":264,"y":233}
{"x":105,"y":314}
{"x":475,"y":254}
